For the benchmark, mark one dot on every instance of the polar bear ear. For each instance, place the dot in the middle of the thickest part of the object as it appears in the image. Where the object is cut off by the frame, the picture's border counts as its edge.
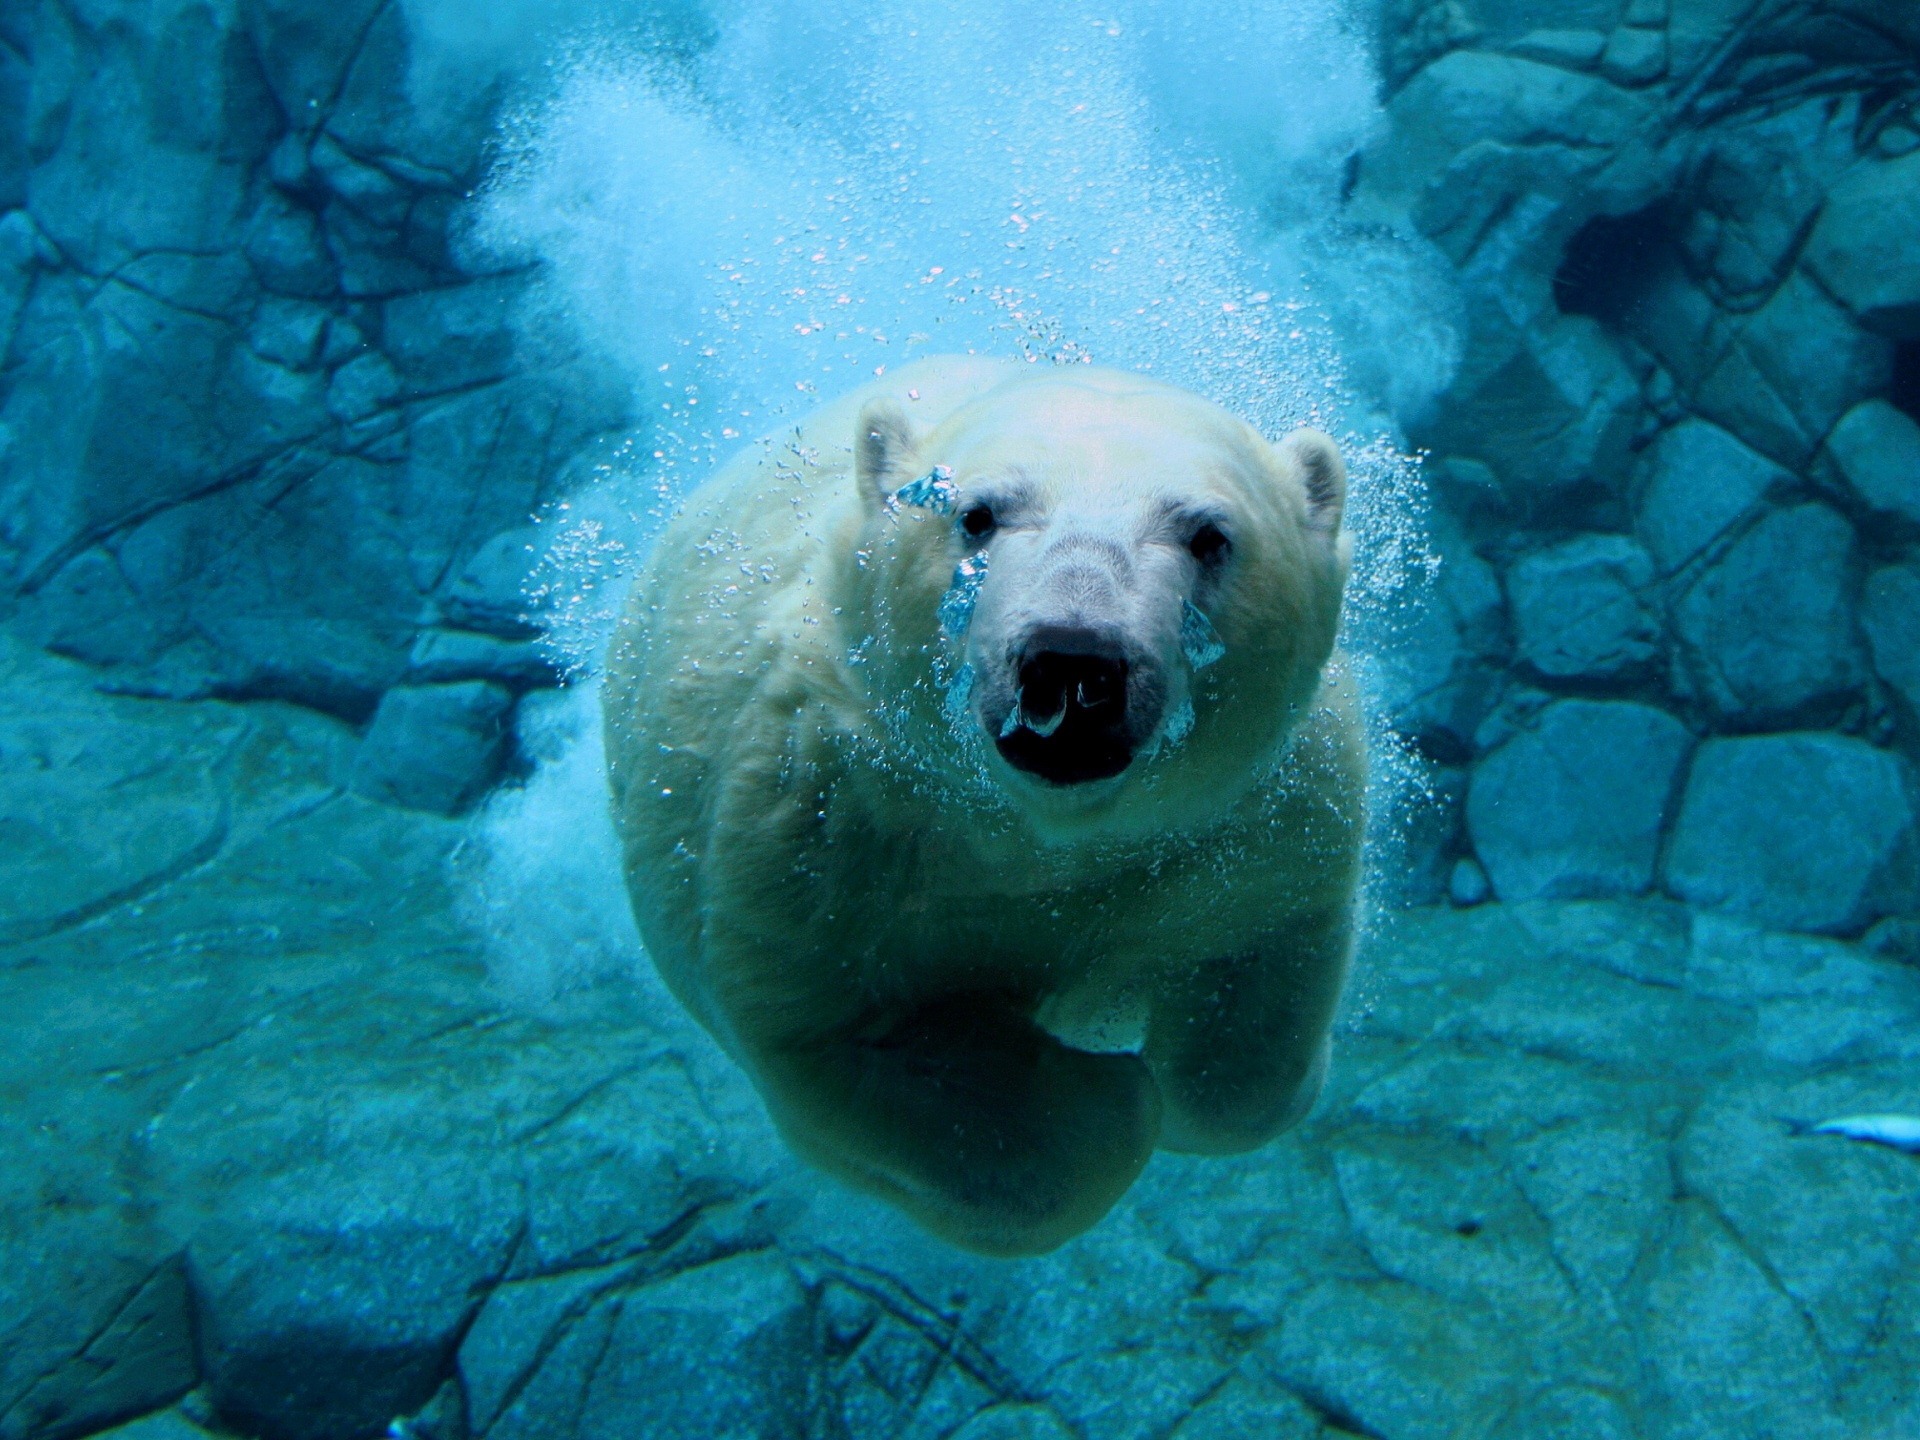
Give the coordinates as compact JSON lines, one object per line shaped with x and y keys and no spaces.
{"x":883,"y":451}
{"x":1324,"y":475}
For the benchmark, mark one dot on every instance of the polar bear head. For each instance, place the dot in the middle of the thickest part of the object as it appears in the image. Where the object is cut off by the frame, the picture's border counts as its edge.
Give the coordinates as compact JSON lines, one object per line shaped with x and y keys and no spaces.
{"x":1133,"y":592}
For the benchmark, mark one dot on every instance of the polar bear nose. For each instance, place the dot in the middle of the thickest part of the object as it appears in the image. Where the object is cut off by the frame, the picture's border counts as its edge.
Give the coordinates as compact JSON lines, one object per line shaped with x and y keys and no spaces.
{"x":1052,"y":683}
{"x":1069,"y":720}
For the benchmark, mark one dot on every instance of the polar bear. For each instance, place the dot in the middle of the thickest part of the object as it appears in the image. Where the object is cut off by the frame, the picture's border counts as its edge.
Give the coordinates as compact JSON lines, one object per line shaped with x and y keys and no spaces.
{"x":989,"y":787}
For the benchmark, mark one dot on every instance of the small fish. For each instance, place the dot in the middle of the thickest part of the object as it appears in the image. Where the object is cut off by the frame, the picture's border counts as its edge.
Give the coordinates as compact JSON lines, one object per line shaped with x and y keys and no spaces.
{"x":1901,"y":1132}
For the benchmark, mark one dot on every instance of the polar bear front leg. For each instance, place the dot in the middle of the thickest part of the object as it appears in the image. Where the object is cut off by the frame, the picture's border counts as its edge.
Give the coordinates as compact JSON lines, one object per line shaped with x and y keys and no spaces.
{"x":1239,"y":1045}
{"x":966,"y":1114}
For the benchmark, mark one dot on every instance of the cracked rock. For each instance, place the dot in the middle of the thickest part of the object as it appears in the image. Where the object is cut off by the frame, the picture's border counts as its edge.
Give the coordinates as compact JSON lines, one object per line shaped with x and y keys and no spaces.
{"x":490,"y":593}
{"x":1768,"y":635}
{"x":1574,"y":806}
{"x":1863,"y":251}
{"x":1806,"y":831}
{"x":1695,"y":483}
{"x":1890,"y":614}
{"x":1580,"y":608}
{"x":434,"y":747}
{"x":1874,"y":453}
{"x":722,"y":1349}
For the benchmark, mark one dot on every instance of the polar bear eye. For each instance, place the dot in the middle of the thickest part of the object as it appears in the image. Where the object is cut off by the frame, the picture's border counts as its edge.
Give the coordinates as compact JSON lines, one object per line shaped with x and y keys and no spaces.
{"x":1209,"y":543}
{"x":977,"y":521}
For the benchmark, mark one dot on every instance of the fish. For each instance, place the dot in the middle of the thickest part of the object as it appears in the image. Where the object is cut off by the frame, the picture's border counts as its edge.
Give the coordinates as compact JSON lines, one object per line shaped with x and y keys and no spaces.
{"x":1901,"y":1132}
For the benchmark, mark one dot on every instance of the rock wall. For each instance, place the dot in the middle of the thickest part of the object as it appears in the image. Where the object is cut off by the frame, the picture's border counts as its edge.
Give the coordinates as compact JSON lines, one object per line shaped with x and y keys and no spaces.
{"x":260,"y":415}
{"x":1678,"y":471}
{"x":282,"y":1163}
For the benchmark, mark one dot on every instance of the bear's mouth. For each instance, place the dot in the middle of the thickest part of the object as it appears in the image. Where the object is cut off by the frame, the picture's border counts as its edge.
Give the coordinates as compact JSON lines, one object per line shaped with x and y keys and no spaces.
{"x":1068,"y":724}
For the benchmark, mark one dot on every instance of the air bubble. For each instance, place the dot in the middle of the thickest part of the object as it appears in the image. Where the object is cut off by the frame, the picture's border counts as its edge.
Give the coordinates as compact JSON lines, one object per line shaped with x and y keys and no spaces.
{"x":1199,"y":641}
{"x":1179,"y":722}
{"x":933,"y":491}
{"x":956,"y":606}
{"x":960,"y":694}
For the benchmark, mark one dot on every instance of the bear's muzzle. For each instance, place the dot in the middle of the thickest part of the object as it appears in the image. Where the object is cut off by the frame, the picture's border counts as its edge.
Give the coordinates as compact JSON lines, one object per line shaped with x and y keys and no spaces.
{"x":1078,"y":707}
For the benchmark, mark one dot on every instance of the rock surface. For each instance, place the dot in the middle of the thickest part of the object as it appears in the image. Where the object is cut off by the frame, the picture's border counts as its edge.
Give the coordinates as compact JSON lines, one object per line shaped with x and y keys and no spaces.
{"x":1806,"y":831}
{"x":1721,"y":198}
{"x":311,"y":1128}
{"x":434,"y":746}
{"x":1573,"y":807}
{"x":1875,"y":454}
{"x":257,"y":413}
{"x":1890,"y":615}
{"x":1767,"y":635}
{"x":1862,"y":250}
{"x":1581,"y":608}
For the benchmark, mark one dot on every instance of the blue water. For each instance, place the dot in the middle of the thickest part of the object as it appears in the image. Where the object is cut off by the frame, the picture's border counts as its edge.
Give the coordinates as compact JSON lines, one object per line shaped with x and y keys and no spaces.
{"x":357,"y":356}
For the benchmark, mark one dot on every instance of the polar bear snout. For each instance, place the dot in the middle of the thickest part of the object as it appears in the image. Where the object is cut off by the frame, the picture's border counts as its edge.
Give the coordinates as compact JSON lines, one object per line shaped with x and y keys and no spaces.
{"x":1081,"y":706}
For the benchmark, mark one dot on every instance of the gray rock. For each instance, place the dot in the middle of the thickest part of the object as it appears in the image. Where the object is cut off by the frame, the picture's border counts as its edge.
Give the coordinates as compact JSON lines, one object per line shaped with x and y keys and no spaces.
{"x":1420,"y":839}
{"x":1245,"y":1407}
{"x":161,"y":1425}
{"x":1896,"y":938}
{"x":98,"y":441}
{"x":20,"y":243}
{"x":1710,"y":1299}
{"x":1394,"y":1359}
{"x":371,"y":191}
{"x":1874,"y":452}
{"x":288,"y":252}
{"x":153,"y":138}
{"x":1439,"y":679}
{"x":1755,"y":191}
{"x":91,"y":819}
{"x":310,"y":1330}
{"x":1575,"y":806}
{"x":453,"y":338}
{"x":16,"y":85}
{"x":1555,"y":418}
{"x":1807,"y":831}
{"x":1573,"y":123}
{"x":165,"y":309}
{"x":1571,"y":1410}
{"x":1468,"y":883}
{"x":724,"y":1349}
{"x":289,"y":333}
{"x":372,"y":257}
{"x":490,"y":593}
{"x":1862,"y":250}
{"x":1476,"y":1233}
{"x":1767,"y":635}
{"x":895,"y":1381}
{"x":361,"y":388}
{"x":1580,"y":608}
{"x":492,"y":452}
{"x":140,"y":1356}
{"x":434,"y":747}
{"x":1695,"y":484}
{"x":1793,"y":369}
{"x":1767,"y":1184}
{"x":1634,"y":56}
{"x":1573,"y":49}
{"x":1014,"y":1422}
{"x":442,"y":656}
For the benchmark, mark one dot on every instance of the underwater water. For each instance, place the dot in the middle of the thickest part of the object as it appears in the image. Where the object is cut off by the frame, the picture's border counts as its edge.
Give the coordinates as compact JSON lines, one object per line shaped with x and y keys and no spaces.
{"x":355,"y":360}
